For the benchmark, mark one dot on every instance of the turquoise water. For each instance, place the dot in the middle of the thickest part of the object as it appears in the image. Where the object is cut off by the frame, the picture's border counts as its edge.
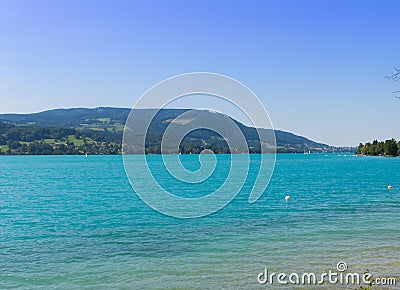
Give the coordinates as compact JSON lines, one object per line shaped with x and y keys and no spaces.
{"x":74,"y":222}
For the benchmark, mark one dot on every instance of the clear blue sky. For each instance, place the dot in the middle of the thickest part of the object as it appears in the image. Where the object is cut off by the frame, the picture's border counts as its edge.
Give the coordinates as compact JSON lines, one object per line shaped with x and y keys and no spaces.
{"x":318,"y":66}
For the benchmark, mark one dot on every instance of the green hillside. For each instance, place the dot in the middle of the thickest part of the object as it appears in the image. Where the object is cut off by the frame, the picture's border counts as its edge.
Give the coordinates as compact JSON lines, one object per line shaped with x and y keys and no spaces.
{"x":35,"y":140}
{"x":99,"y":131}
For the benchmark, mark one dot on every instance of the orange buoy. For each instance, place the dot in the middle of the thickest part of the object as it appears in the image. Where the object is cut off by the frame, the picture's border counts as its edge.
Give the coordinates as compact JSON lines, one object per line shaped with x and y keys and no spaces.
{"x":390,"y":187}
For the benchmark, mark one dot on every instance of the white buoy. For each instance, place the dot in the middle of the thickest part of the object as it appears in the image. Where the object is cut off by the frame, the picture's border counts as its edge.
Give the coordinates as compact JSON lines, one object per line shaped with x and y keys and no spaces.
{"x":390,"y":187}
{"x":287,"y":197}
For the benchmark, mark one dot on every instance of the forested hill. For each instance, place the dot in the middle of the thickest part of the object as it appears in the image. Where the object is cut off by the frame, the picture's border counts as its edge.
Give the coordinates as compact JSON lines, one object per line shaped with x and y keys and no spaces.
{"x":101,"y":119}
{"x":99,"y":131}
{"x":35,"y":140}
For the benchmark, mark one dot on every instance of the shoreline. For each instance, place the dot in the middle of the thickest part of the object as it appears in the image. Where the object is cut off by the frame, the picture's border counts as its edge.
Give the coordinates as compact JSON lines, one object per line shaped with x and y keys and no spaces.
{"x":277,"y":153}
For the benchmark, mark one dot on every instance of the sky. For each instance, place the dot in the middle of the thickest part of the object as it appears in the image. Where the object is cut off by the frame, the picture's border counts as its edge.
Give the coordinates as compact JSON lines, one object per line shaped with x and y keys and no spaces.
{"x":318,"y":67}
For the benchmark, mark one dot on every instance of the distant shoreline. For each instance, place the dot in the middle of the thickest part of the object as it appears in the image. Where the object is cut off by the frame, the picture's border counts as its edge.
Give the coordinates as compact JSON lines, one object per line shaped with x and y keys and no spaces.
{"x":100,"y":131}
{"x":364,"y":155}
{"x":155,"y":154}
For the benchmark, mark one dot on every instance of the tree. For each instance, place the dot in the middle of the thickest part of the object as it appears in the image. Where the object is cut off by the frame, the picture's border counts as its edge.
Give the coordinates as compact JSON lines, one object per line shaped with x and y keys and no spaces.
{"x":390,"y":147}
{"x":13,"y":144}
{"x":380,"y":148}
{"x":37,"y":148}
{"x":360,"y":147}
{"x":3,"y":140}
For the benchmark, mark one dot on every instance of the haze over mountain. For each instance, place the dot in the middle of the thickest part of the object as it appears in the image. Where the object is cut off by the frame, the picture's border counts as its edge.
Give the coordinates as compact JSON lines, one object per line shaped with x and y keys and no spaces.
{"x":108,"y":124}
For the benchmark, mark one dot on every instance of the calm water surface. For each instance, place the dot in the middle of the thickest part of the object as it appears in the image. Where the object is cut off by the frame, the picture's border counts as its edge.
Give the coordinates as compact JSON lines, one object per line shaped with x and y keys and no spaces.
{"x":74,"y":222}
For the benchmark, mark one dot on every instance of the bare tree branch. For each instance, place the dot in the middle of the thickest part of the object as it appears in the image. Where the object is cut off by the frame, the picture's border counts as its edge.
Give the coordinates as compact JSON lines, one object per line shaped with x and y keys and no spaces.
{"x":395,"y":75}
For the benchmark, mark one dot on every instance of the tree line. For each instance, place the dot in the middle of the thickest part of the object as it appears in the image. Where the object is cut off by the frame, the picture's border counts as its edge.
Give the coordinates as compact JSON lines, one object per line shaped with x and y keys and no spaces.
{"x":38,"y":140}
{"x":380,"y":148}
{"x":32,"y":140}
{"x":42,"y":148}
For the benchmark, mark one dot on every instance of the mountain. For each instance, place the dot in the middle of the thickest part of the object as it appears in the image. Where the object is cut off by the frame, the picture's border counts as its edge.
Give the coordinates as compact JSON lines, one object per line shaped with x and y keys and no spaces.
{"x":102,"y":125}
{"x":79,"y":118}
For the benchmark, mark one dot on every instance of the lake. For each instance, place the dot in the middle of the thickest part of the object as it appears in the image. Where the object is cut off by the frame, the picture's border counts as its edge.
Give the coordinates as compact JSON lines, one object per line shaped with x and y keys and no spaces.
{"x":75,"y":222}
